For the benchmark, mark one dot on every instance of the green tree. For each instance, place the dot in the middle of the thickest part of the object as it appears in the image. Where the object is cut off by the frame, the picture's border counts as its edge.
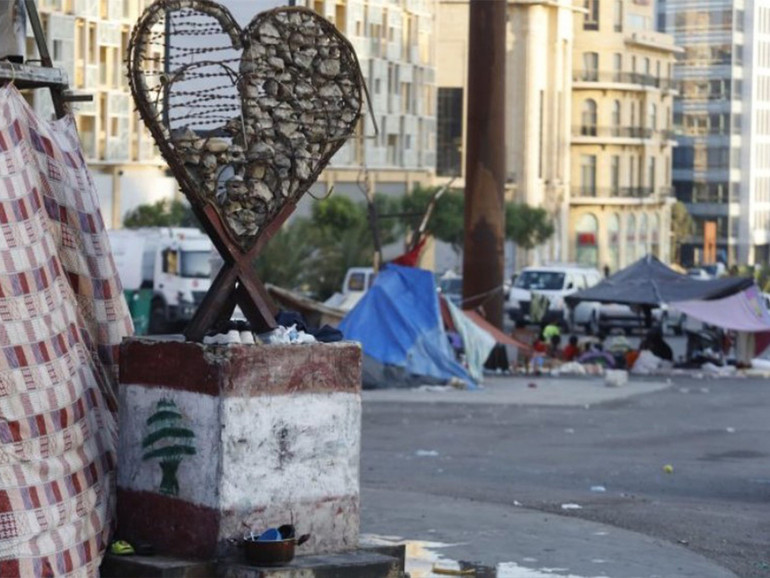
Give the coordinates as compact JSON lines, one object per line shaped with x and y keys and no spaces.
{"x":682,"y":226}
{"x":447,"y":222}
{"x":528,"y":227}
{"x":163,"y":213}
{"x":314,"y":254}
{"x":284,"y":260}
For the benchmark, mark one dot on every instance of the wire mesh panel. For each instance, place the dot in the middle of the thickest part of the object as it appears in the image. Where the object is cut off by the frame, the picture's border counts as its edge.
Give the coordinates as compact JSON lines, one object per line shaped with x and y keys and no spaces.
{"x":247,"y":119}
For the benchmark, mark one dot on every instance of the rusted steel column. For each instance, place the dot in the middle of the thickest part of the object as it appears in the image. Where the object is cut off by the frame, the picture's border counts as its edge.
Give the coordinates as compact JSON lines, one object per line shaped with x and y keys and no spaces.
{"x":485,"y":160}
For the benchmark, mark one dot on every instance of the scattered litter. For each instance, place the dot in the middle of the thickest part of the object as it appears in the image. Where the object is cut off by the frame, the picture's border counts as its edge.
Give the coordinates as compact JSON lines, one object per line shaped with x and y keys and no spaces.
{"x":569,"y":368}
{"x":598,"y":489}
{"x":285,"y":335}
{"x":599,"y":561}
{"x":668,"y":468}
{"x":616,"y":378}
{"x":517,"y":503}
{"x":435,"y":388}
{"x":571,"y":507}
{"x":426,"y":453}
{"x":600,"y":533}
{"x":569,"y":430}
{"x":684,"y":542}
{"x":730,"y":430}
{"x":532,"y":385}
{"x":529,"y":559}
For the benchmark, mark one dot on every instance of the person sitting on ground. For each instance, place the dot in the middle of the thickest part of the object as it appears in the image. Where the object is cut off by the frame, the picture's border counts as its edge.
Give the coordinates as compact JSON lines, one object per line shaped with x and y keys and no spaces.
{"x":550,"y":330}
{"x":539,"y":351}
{"x":571,"y":351}
{"x":554,"y":350}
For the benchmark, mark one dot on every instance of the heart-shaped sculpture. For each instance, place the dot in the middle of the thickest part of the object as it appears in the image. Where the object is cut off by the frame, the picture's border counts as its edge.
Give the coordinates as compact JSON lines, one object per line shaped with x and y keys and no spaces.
{"x":246,"y":119}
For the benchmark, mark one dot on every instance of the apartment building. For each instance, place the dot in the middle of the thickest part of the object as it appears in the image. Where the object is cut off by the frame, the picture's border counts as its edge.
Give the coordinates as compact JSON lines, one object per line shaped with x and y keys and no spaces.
{"x":588,"y":122}
{"x":89,"y":40}
{"x":722,"y":163}
{"x":395,"y":42}
{"x":622,"y":138}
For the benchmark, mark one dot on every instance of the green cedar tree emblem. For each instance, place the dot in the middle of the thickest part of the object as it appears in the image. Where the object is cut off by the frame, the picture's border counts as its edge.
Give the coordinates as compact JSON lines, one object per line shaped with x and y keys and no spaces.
{"x":168,"y":441}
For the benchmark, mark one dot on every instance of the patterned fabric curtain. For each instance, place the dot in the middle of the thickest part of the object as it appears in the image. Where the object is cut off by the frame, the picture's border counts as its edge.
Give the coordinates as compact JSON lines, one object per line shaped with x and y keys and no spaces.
{"x":62,"y":318}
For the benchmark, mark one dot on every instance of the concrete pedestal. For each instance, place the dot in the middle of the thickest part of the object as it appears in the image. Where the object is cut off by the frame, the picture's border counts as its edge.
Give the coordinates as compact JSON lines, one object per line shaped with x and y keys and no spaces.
{"x":217,"y":440}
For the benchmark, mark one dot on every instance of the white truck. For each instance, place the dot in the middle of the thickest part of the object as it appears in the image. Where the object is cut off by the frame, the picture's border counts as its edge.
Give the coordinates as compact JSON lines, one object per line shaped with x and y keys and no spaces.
{"x":357,"y":282}
{"x":173,"y":263}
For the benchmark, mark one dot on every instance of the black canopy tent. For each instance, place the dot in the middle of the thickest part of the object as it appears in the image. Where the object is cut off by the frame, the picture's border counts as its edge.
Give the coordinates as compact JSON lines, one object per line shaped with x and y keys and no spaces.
{"x":649,"y":283}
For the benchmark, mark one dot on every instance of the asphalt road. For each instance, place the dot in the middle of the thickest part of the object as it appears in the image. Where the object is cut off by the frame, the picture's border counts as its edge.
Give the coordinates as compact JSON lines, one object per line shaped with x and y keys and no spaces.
{"x":714,"y":434}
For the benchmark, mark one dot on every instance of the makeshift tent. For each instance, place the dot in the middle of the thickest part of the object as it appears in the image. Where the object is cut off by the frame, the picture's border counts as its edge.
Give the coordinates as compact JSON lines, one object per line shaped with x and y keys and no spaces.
{"x":744,"y":311}
{"x":477,"y":342}
{"x":399,"y":326}
{"x":650,"y":282}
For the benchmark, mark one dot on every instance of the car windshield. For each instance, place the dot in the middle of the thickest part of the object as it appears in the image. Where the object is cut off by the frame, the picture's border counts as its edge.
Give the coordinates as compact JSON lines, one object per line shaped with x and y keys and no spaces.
{"x":542,"y":280}
{"x":195,"y":264}
{"x":452,"y":285}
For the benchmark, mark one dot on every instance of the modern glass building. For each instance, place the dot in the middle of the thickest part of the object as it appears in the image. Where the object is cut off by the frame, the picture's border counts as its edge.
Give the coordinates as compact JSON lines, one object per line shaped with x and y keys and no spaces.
{"x":722,"y":164}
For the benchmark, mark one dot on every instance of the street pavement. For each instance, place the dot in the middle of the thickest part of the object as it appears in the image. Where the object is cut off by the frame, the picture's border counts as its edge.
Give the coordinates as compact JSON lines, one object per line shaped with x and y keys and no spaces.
{"x":499,"y":536}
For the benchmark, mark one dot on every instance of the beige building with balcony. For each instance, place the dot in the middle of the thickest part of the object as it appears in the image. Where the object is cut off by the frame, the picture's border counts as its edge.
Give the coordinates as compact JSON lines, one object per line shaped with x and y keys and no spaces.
{"x":622,"y":102}
{"x":395,"y":43}
{"x":89,"y":39}
{"x":588,"y":122}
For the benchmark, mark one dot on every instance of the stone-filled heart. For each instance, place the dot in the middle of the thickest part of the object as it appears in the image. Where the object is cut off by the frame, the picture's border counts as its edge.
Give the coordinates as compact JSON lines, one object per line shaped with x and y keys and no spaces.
{"x":246,"y":118}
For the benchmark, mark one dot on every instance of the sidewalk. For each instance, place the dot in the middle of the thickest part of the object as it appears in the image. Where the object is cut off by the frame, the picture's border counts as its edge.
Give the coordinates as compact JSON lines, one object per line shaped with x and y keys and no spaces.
{"x":518,"y":542}
{"x":517,"y":390}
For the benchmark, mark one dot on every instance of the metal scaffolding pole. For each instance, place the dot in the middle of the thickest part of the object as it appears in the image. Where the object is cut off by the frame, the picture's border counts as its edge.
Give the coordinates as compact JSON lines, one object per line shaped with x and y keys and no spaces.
{"x":483,"y":256}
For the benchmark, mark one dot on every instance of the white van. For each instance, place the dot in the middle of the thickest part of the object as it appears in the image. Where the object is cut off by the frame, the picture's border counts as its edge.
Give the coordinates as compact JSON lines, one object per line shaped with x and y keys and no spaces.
{"x":555,"y":282}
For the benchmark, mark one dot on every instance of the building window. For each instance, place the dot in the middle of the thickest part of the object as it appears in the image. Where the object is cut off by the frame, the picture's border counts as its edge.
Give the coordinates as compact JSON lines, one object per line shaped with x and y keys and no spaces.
{"x":617,"y":67}
{"x":653,"y":116}
{"x":617,"y":16}
{"x":591,"y":66}
{"x":615,"y":175}
{"x":613,"y":242}
{"x":631,"y":249}
{"x":588,"y":118}
{"x":587,"y":243}
{"x":643,"y":234}
{"x":616,"y":117}
{"x":588,"y":175}
{"x":449,"y":131}
{"x":591,"y":18}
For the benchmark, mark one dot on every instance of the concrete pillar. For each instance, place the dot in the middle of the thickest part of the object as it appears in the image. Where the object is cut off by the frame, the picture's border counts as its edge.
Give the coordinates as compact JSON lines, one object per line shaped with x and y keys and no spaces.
{"x":217,"y":440}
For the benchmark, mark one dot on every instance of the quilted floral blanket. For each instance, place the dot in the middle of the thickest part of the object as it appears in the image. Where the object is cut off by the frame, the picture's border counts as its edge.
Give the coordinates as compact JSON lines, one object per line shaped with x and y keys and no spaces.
{"x":62,"y":318}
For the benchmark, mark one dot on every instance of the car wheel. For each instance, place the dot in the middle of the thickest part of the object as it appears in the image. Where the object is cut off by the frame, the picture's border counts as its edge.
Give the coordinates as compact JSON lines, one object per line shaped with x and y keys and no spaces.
{"x":157,"y":320}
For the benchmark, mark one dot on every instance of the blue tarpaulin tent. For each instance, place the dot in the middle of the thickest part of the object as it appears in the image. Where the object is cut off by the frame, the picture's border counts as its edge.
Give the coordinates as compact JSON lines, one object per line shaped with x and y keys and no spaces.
{"x":399,"y":326}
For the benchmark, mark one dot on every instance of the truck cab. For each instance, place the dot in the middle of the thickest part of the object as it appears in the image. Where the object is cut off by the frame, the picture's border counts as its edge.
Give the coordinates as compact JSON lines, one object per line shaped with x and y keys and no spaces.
{"x":173,"y":263}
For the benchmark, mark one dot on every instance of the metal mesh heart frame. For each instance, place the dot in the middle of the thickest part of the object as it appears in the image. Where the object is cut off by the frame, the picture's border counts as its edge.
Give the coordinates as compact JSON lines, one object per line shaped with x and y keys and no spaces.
{"x":246,"y":119}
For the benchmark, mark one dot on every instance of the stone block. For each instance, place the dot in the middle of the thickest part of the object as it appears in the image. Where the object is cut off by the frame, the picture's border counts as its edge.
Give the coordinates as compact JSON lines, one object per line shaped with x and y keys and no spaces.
{"x":217,"y":440}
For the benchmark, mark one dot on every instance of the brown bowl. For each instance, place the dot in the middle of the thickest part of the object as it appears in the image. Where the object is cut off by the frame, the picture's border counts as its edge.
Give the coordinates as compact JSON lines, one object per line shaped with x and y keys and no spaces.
{"x":271,"y":552}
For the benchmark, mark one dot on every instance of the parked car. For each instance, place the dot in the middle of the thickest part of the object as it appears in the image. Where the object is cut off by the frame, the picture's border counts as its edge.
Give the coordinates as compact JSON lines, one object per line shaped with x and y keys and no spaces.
{"x":698,"y":273}
{"x":616,"y":315}
{"x":554,"y":282}
{"x":451,"y":286}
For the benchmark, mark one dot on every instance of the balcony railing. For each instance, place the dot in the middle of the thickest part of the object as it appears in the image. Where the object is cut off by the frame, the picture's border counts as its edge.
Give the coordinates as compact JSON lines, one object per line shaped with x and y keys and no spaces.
{"x":612,"y":131}
{"x":625,"y":78}
{"x":620,"y":192}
